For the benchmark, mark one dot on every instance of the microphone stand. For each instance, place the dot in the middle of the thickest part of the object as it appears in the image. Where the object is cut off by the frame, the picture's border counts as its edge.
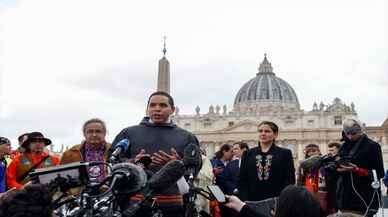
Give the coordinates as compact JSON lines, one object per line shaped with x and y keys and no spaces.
{"x":191,"y":196}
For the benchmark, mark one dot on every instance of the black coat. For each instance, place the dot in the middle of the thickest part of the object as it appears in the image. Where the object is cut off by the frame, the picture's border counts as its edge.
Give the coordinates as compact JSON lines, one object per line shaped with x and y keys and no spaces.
{"x":367,"y":155}
{"x":256,"y":184}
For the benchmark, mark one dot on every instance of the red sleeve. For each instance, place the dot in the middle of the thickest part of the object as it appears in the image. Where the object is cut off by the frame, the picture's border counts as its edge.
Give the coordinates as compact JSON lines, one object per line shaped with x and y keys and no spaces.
{"x":56,"y":160}
{"x":11,"y":175}
{"x":361,"y":171}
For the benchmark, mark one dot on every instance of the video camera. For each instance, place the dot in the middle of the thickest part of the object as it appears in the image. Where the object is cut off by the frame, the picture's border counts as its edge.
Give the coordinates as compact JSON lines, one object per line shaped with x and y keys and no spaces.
{"x":326,"y":161}
{"x":334,"y":161}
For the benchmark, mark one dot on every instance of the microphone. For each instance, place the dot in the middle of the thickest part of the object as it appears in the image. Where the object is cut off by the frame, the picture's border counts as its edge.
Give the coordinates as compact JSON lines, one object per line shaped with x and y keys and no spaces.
{"x":144,"y":162}
{"x":167,"y":176}
{"x":128,"y":178}
{"x":192,"y":158}
{"x":375,"y":184}
{"x":120,"y":147}
{"x":311,"y":163}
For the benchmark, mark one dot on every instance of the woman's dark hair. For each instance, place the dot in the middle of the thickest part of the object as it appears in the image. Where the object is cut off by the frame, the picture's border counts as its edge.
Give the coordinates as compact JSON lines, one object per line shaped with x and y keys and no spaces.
{"x":296,"y":201}
{"x":309,"y":148}
{"x":32,"y":201}
{"x":271,"y":125}
{"x":94,"y":120}
{"x":225,"y":147}
{"x":242,"y":145}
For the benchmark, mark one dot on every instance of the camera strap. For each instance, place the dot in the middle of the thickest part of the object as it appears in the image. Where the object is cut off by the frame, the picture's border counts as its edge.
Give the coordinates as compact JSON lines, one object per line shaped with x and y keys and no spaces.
{"x":24,"y":175}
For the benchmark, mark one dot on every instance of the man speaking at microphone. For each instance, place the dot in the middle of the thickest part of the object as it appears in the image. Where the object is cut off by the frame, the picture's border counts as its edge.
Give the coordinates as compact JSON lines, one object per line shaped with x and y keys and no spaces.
{"x":160,"y":139}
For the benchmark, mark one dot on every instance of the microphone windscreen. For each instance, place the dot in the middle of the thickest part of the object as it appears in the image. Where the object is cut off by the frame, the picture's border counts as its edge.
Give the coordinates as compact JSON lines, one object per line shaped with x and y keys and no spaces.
{"x":192,"y":155}
{"x":167,"y":176}
{"x":124,"y":143}
{"x":134,"y":178}
{"x":311,"y":163}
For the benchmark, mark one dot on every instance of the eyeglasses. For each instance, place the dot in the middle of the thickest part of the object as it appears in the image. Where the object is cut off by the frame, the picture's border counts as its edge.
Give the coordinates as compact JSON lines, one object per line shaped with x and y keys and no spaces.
{"x":351,"y":133}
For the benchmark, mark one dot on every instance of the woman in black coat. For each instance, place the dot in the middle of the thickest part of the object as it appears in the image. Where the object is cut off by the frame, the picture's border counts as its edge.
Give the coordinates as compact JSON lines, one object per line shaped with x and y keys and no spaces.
{"x":266,"y":169}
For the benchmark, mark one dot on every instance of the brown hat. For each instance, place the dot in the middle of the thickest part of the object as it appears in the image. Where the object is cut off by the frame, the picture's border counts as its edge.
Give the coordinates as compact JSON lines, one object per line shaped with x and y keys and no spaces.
{"x":35,"y":137}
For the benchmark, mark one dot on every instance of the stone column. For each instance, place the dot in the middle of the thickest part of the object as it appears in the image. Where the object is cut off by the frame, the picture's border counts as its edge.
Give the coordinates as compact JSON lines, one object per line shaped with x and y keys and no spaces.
{"x":300,"y":151}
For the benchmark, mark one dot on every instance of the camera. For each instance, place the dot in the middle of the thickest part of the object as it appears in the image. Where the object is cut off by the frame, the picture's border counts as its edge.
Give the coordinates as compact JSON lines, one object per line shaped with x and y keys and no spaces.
{"x":334,"y":161}
{"x":63,"y":177}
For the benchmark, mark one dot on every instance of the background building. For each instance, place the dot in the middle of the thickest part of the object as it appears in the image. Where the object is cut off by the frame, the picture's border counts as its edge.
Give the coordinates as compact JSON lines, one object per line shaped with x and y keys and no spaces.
{"x":268,"y":97}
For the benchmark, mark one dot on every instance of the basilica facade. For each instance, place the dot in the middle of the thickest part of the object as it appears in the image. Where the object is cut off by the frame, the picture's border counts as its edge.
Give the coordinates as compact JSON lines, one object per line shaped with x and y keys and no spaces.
{"x":267,"y":97}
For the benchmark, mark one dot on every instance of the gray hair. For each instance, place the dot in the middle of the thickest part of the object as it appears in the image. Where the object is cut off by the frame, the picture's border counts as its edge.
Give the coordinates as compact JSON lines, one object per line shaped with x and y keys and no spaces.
{"x":352,"y":125}
{"x":94,"y":120}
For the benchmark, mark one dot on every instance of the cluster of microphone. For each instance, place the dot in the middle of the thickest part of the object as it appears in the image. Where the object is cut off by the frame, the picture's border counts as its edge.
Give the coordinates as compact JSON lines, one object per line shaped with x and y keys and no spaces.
{"x":132,"y":177}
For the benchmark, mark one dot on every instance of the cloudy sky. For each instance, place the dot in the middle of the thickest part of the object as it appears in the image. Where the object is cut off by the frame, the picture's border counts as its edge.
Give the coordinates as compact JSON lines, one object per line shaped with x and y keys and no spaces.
{"x":63,"y":62}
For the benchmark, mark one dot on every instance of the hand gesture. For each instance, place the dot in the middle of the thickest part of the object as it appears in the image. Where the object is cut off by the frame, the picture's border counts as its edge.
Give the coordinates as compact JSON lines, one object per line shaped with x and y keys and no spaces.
{"x":141,"y":154}
{"x":161,"y":157}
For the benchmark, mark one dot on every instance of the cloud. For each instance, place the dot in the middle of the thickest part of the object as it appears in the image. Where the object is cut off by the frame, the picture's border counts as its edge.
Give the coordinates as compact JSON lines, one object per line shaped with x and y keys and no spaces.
{"x":126,"y":82}
{"x":63,"y":62}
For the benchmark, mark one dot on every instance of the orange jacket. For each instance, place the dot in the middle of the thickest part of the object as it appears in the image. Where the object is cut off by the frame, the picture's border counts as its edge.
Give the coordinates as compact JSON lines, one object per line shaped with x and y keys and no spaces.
{"x":312,"y":181}
{"x":23,"y":163}
{"x":215,"y":208}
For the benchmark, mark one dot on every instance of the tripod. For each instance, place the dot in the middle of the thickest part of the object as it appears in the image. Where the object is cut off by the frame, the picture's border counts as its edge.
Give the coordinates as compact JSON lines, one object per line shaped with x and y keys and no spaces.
{"x":191,"y":196}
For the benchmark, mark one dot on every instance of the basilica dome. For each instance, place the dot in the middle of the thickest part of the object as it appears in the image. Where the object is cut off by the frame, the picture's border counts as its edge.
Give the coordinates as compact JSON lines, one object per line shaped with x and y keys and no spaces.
{"x":266,"y":89}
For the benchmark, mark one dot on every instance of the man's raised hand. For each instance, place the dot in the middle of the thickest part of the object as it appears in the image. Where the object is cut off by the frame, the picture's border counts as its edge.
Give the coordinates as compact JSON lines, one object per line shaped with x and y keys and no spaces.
{"x":161,"y":157}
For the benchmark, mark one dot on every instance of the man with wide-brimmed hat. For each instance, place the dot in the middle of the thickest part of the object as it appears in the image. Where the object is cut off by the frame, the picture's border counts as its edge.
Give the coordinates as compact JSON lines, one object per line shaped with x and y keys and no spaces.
{"x":5,"y":149}
{"x":33,"y":157}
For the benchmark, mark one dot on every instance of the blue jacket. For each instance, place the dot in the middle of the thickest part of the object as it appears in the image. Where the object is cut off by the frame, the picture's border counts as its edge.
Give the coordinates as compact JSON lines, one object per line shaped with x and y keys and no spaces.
{"x":229,"y":177}
{"x":3,"y":186}
{"x":217,"y":163}
{"x":385,"y":179}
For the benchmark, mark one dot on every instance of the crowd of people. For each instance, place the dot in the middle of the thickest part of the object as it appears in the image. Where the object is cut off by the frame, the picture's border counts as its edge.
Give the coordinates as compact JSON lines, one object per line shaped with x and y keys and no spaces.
{"x":340,"y":181}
